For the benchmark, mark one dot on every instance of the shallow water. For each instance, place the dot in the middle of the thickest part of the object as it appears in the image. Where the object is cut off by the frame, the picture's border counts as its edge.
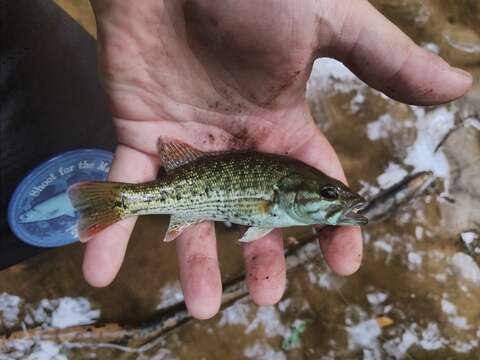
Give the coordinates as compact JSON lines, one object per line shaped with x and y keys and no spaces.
{"x":416,"y":293}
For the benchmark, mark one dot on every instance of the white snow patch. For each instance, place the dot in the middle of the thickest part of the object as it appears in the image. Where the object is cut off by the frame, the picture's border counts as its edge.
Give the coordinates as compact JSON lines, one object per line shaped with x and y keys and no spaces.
{"x":30,"y":350}
{"x":460,"y":322}
{"x":431,"y":338}
{"x":365,"y":335}
{"x":380,"y":128}
{"x":9,"y":309}
{"x":465,"y":346}
{"x":357,"y":101}
{"x":237,"y":314}
{"x":363,"y":332}
{"x":392,"y":175}
{"x":431,"y":128}
{"x":72,"y":312}
{"x":383,"y":245}
{"x":163,"y":354}
{"x":466,"y":267}
{"x":468,"y":237}
{"x":330,"y":74}
{"x":386,"y":127}
{"x":414,"y":260}
{"x":448,"y":307}
{"x":65,"y":312}
{"x":263,"y":352}
{"x":367,"y":189}
{"x":428,"y":338}
{"x":284,"y":304}
{"x":397,"y":347}
{"x":268,"y":317}
{"x":170,"y":294}
{"x":419,"y":232}
{"x":377,"y":298}
{"x":326,"y":281}
{"x":307,"y":252}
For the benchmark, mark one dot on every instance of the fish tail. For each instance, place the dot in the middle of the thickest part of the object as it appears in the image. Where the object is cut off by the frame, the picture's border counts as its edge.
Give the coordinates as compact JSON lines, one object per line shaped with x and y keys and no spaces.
{"x":99,"y":205}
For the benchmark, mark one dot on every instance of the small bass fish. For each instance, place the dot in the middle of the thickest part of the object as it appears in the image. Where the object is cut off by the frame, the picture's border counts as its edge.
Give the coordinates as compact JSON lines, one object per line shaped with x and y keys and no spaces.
{"x":263,"y":191}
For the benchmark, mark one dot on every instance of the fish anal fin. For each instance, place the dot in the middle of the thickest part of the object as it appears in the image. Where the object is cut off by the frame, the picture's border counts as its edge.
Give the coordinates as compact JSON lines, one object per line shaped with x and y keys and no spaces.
{"x":254,"y":233}
{"x":176,"y":227}
{"x":174,"y":153}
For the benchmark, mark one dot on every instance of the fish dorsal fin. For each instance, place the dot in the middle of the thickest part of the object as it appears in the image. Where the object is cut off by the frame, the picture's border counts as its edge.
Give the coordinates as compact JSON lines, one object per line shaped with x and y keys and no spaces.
{"x":174,"y":153}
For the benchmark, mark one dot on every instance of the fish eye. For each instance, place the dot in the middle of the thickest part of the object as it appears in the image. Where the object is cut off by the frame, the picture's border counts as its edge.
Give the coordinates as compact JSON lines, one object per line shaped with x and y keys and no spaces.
{"x":329,"y":192}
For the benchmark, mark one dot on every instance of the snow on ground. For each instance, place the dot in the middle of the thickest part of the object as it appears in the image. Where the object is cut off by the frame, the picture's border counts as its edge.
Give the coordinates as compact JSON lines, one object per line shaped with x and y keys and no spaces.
{"x":331,"y":75}
{"x":170,"y":294}
{"x":237,"y":314}
{"x":432,"y":127}
{"x":423,"y":155}
{"x":377,"y":298}
{"x":56,"y":313}
{"x":263,"y":352}
{"x":392,"y":175}
{"x":31,"y":350}
{"x":9,"y":309}
{"x":469,"y":237}
{"x":466,"y":267}
{"x":65,"y":312}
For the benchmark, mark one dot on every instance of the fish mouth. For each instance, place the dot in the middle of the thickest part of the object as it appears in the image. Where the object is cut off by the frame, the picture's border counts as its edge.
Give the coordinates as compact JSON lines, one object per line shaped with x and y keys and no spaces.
{"x":351,"y":216}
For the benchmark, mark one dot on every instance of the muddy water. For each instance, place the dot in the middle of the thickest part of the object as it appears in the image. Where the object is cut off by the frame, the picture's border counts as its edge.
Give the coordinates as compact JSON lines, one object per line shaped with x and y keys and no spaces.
{"x":416,"y":294}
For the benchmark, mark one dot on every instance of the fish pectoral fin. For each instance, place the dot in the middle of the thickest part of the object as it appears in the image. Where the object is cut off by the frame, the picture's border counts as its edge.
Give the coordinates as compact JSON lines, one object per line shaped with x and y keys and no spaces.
{"x":255,"y":233}
{"x":174,"y":153}
{"x":176,"y":227}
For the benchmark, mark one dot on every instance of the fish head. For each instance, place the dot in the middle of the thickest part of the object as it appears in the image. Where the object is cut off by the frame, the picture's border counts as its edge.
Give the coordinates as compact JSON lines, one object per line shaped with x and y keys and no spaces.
{"x":327,"y":201}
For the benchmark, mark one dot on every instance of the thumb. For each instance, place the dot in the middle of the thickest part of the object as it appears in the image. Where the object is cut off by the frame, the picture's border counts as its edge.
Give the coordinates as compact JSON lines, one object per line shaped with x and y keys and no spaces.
{"x":388,"y":60}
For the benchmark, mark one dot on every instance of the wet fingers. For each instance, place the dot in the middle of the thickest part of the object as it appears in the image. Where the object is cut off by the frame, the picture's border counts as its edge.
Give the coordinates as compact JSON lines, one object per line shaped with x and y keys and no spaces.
{"x":199,"y":271}
{"x":342,"y":248}
{"x":265,"y":267}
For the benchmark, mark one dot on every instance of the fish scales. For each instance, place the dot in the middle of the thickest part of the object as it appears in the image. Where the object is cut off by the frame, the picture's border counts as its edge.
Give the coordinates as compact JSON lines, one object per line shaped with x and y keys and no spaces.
{"x":214,"y":187}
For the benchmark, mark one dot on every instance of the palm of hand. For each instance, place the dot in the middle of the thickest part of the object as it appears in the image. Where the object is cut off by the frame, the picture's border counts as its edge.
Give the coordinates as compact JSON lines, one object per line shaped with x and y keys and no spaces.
{"x":232,"y":75}
{"x":240,"y":84}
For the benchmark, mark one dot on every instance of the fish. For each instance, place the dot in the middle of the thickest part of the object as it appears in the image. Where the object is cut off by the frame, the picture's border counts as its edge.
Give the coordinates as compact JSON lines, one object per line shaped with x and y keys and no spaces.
{"x":51,"y":208}
{"x":260,"y":190}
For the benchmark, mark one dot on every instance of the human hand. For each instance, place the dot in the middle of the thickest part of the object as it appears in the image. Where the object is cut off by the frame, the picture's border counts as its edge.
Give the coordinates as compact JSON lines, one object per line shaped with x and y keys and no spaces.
{"x":232,"y":74}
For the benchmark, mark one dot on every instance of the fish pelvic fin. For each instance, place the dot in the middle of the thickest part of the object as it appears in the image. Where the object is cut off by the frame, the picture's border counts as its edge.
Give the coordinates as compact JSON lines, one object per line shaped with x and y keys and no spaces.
{"x":174,"y":153}
{"x":254,"y":233}
{"x":177,"y":226}
{"x":99,"y":205}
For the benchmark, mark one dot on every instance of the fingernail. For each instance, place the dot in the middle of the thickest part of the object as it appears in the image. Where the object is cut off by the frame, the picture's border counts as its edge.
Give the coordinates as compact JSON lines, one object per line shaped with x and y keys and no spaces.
{"x":463,"y":73}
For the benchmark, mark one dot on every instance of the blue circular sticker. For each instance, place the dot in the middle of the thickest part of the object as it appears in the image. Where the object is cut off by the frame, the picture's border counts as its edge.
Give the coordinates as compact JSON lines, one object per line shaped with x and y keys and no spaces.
{"x":40,"y":212}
